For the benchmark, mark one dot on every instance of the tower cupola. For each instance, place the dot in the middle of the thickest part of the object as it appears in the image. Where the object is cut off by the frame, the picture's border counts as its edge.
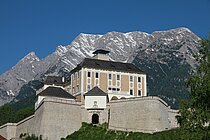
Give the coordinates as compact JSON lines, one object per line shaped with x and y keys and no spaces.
{"x":101,"y":55}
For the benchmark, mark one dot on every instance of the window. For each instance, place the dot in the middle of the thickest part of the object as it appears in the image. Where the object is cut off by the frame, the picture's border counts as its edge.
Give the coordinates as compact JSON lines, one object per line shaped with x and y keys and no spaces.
{"x":95,"y":104}
{"x":118,"y":77}
{"x":118,"y":89}
{"x":131,"y":92}
{"x":77,"y":88}
{"x":131,"y":78}
{"x":110,"y":76}
{"x":110,"y":88}
{"x":139,"y":92}
{"x":96,"y":74}
{"x":97,"y":82}
{"x":89,"y":74}
{"x":139,"y":79}
{"x":76,"y":75}
{"x":110,"y":83}
{"x":88,"y":87}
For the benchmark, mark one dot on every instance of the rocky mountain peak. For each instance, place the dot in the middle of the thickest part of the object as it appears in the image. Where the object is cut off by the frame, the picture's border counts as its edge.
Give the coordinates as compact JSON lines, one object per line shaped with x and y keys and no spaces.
{"x":176,"y":34}
{"x":30,"y":57}
{"x":61,"y":50}
{"x":161,"y":47}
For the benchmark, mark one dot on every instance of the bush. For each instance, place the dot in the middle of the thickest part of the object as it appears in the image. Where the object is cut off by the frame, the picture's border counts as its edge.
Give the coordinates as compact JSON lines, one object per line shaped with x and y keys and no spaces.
{"x":26,"y":136}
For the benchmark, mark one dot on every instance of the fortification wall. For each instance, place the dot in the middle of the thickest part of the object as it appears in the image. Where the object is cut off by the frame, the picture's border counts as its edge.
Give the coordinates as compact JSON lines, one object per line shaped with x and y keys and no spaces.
{"x":53,"y":119}
{"x":172,"y":118}
{"x":145,"y":114}
{"x":25,"y":126}
{"x":3,"y":130}
{"x":13,"y":130}
{"x":57,"y":118}
{"x":8,"y":130}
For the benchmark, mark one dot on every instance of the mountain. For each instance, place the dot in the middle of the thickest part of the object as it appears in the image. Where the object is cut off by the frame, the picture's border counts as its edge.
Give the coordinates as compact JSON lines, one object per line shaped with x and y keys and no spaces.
{"x":24,"y":71}
{"x":168,"y":61}
{"x":161,"y":55}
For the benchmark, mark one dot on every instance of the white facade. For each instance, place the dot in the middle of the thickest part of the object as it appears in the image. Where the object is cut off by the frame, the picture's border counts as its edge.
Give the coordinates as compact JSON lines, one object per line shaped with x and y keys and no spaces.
{"x":40,"y":98}
{"x":95,"y":102}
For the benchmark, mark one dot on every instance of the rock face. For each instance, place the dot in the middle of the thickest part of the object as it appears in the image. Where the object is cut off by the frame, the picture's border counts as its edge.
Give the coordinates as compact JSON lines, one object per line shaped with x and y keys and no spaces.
{"x":168,"y":61}
{"x":159,"y":54}
{"x":24,"y":71}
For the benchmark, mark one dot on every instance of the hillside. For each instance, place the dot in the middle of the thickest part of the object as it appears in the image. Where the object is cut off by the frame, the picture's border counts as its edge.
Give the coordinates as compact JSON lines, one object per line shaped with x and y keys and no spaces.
{"x":90,"y":132}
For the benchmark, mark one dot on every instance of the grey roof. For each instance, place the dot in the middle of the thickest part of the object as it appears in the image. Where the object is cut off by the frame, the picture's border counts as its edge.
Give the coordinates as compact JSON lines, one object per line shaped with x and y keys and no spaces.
{"x":54,"y":80}
{"x":107,"y":65}
{"x":96,"y":92}
{"x":101,"y":51}
{"x":56,"y":92}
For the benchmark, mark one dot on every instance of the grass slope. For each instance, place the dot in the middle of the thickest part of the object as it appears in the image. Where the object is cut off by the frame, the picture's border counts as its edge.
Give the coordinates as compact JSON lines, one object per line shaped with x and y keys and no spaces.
{"x":91,"y":132}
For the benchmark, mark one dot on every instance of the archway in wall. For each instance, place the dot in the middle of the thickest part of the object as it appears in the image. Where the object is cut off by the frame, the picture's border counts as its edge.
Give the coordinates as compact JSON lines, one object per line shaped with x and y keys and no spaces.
{"x":122,"y":98}
{"x":114,"y":98}
{"x":95,"y":119}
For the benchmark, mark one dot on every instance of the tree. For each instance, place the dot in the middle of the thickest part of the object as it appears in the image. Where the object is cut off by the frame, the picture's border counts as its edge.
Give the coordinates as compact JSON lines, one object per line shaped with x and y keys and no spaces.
{"x":195,"y":113}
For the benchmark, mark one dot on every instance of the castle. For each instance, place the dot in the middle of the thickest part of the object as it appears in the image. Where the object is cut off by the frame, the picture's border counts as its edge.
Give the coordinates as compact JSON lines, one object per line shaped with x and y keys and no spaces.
{"x":98,"y":90}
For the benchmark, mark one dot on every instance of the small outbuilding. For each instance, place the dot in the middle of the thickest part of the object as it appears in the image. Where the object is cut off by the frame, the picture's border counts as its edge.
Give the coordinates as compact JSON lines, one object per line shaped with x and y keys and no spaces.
{"x":96,"y":99}
{"x":56,"y":92}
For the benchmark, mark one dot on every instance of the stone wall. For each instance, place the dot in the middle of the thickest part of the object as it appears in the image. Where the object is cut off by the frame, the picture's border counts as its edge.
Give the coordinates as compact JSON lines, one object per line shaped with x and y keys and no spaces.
{"x":8,"y":130}
{"x":13,"y":130}
{"x":53,"y":119}
{"x":56,"y":118}
{"x":144,"y":114}
{"x":102,"y":113}
{"x":25,"y":126}
{"x":3,"y":130}
{"x":172,"y":118}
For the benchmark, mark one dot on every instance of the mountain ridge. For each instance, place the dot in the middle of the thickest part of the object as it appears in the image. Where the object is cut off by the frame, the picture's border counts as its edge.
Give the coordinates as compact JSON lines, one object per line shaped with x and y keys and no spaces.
{"x":124,"y":47}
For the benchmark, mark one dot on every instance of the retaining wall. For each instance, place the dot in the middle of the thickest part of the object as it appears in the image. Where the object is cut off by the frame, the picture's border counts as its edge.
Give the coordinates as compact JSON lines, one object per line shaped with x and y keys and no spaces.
{"x":8,"y":130}
{"x":53,"y":119}
{"x":56,"y":118}
{"x":145,"y":114}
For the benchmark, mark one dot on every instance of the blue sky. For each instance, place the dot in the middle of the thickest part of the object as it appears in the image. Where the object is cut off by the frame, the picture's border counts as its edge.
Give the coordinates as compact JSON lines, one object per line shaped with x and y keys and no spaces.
{"x":42,"y":25}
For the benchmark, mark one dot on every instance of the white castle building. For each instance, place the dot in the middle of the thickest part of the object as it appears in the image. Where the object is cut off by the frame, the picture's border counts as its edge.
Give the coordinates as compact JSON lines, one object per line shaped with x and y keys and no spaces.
{"x":99,"y":90}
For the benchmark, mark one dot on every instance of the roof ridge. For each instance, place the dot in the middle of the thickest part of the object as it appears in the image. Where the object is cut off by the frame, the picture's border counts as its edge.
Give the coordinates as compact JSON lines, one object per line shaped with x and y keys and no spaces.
{"x":56,"y":92}
{"x":96,"y":91}
{"x":108,"y":65}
